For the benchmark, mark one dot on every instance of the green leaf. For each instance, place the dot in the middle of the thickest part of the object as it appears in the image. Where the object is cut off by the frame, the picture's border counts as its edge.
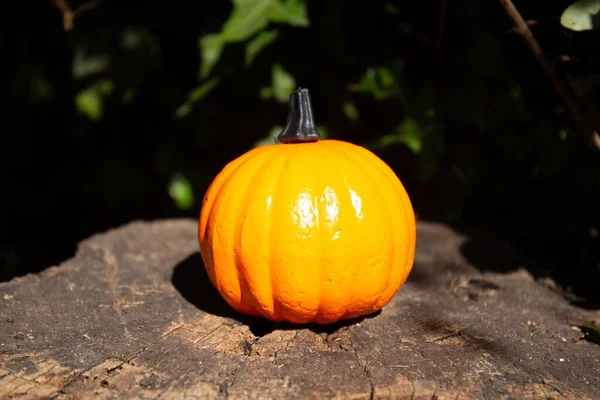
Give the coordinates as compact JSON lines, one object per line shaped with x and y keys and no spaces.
{"x":181,"y":191}
{"x":247,"y":18}
{"x":350,"y":111}
{"x":211,"y":47}
{"x":578,"y":16}
{"x":265,"y":92}
{"x":89,"y":103}
{"x":377,"y":81}
{"x":270,"y":138}
{"x":591,"y":332}
{"x":391,"y":9}
{"x":105,"y":87}
{"x":283,"y":83}
{"x":323,"y":131}
{"x":291,"y":12}
{"x":201,"y":91}
{"x":196,"y":95}
{"x":261,"y":41}
{"x":408,"y":133}
{"x":85,"y":65}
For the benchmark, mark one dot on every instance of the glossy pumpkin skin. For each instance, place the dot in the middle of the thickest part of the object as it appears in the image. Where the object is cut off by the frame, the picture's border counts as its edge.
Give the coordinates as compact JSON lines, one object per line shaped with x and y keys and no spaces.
{"x":307,"y":232}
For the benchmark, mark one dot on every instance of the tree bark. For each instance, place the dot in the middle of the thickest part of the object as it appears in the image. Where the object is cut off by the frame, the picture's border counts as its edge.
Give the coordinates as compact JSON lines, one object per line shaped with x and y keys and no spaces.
{"x":133,"y":315}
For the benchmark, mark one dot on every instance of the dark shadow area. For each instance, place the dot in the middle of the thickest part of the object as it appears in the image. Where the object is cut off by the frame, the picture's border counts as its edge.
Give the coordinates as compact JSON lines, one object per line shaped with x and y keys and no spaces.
{"x":192,"y":282}
{"x":579,"y":285}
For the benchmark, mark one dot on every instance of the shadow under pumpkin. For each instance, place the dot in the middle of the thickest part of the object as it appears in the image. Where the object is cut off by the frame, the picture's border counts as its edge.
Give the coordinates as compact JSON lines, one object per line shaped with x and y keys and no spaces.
{"x":192,"y":282}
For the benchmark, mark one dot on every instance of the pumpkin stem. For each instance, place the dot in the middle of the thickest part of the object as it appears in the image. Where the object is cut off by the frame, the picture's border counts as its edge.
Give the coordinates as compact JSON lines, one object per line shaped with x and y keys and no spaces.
{"x":300,"y":126}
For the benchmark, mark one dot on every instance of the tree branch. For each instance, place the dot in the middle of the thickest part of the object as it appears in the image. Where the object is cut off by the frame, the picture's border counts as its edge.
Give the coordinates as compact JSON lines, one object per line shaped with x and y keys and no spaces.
{"x":522,"y":28}
{"x":69,"y":15}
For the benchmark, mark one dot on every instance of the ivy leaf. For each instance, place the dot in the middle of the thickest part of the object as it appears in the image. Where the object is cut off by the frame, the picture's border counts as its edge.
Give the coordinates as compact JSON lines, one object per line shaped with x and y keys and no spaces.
{"x":409,"y":133}
{"x":211,"y":47}
{"x":578,"y":16}
{"x":377,"y":81}
{"x":350,"y":111}
{"x":271,"y":137}
{"x":247,"y":18}
{"x":201,"y":91}
{"x":283,"y":83}
{"x":89,"y":102}
{"x":181,"y":191}
{"x":291,"y":12}
{"x":323,"y":131}
{"x":196,"y":95}
{"x":257,"y":44}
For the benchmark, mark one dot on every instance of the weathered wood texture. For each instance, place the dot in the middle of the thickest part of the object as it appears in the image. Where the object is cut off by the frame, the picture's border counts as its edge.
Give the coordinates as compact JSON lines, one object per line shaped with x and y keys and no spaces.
{"x":134,"y":316}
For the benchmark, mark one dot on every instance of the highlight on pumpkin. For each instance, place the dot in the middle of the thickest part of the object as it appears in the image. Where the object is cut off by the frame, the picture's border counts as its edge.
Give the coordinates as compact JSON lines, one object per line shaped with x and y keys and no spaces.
{"x":307,"y":230}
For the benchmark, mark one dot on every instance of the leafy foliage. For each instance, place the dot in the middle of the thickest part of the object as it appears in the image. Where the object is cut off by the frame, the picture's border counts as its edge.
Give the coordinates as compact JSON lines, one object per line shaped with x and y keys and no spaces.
{"x":146,"y":115}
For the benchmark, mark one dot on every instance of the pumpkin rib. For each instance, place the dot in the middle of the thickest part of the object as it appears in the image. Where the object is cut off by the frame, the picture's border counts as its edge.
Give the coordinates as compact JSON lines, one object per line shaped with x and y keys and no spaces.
{"x":352,"y":155}
{"x":277,"y":313}
{"x":321,"y":250}
{"x":217,"y":215}
{"x":263,"y":293}
{"x":350,"y":292}
{"x":368,"y":159}
{"x":321,"y":176}
{"x":207,"y":215}
{"x":249,"y":183}
{"x":333,"y":175}
{"x":297,"y":239}
{"x":408,"y":212}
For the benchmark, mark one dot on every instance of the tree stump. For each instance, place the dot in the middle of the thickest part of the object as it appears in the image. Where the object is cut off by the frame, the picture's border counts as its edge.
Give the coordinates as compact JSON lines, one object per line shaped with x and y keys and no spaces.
{"x":133,"y":315}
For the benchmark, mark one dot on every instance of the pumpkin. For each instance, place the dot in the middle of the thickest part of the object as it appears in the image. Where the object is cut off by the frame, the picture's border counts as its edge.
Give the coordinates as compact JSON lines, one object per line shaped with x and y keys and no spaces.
{"x":307,"y":230}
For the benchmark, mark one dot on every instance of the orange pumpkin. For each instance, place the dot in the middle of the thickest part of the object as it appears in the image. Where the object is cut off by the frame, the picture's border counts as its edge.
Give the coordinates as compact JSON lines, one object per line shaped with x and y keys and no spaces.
{"x":307,"y":230}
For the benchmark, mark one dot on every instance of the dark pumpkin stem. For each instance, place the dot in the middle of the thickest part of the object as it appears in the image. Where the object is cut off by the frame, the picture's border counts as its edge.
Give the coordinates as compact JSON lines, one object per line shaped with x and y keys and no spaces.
{"x":300,"y":126}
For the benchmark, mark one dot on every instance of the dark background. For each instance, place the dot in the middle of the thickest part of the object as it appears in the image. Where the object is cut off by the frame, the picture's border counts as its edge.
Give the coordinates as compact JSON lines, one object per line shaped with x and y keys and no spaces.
{"x":455,"y":103}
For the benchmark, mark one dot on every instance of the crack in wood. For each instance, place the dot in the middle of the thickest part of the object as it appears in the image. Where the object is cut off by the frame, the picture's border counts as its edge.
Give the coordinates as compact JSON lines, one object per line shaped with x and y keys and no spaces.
{"x":113,"y":281}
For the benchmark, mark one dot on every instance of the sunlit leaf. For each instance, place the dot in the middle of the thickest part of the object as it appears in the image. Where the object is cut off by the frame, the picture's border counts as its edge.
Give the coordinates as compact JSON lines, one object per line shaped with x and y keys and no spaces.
{"x":89,"y":103}
{"x":183,"y":110}
{"x":247,"y":18}
{"x":211,"y":47}
{"x":85,"y":64}
{"x":291,"y":12}
{"x":201,"y":91}
{"x":377,"y":81}
{"x":283,"y":83}
{"x":408,"y":133}
{"x":578,"y":16}
{"x":181,"y":191}
{"x":196,"y":95}
{"x":563,"y":134}
{"x":265,"y":92}
{"x":257,"y":44}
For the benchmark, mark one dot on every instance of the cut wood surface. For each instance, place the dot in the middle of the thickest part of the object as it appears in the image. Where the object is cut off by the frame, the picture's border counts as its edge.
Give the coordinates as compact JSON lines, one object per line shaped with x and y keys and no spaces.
{"x":133,"y":315}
